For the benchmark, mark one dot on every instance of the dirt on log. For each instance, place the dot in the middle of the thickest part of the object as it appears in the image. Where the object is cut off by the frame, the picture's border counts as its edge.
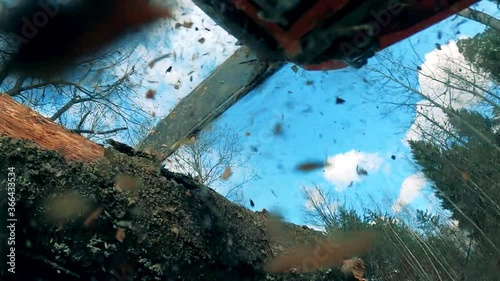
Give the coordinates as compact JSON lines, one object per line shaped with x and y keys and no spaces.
{"x":126,"y":218}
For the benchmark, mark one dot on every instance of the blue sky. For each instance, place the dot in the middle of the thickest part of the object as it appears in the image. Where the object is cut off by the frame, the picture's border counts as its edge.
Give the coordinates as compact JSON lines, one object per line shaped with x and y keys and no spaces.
{"x":316,"y":128}
{"x":359,"y":132}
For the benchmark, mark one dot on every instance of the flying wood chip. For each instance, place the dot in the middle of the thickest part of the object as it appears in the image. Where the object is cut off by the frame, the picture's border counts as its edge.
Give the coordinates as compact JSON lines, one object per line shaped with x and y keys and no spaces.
{"x":465,"y":176}
{"x":64,"y":207}
{"x":150,"y":94}
{"x":152,"y":63}
{"x":339,"y":101}
{"x":326,"y":253}
{"x":126,"y":183}
{"x":92,"y":217}
{"x":187,"y":24}
{"x":175,"y":231}
{"x":278,"y":129}
{"x":360,"y":171}
{"x":311,"y":166}
{"x":355,"y":268}
{"x":227,"y":173}
{"x":120,"y":234}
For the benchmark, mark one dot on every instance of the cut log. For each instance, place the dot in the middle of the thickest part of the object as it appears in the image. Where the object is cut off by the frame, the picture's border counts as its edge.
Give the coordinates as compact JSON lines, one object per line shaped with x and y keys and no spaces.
{"x":124,"y":218}
{"x":20,"y":122}
{"x":111,"y":216}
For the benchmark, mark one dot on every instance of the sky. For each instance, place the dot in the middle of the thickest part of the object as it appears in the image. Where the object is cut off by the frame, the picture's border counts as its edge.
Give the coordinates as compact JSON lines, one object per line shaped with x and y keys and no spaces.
{"x":365,"y":131}
{"x":357,"y":132}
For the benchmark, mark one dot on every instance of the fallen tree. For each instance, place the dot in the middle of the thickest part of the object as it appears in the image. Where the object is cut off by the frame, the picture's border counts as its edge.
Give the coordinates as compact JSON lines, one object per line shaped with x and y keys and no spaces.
{"x":113,"y":216}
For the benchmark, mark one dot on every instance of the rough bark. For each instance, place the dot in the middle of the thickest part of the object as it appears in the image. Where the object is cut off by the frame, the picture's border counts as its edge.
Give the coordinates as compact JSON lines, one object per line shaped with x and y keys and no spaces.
{"x":115,"y":216}
{"x":20,"y":122}
{"x":173,"y":229}
{"x":120,"y":217}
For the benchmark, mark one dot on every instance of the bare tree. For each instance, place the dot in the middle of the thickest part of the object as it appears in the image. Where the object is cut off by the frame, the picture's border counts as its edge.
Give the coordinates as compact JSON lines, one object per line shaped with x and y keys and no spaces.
{"x":439,"y":90}
{"x":320,"y":207}
{"x":450,"y":84}
{"x":212,"y":158}
{"x":414,"y":247}
{"x":94,"y":89}
{"x":101,"y":101}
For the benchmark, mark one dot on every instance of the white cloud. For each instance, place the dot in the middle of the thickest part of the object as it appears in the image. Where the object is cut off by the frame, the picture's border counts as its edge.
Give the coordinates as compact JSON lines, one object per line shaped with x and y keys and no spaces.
{"x":441,"y":68}
{"x":341,"y":170}
{"x":320,"y":228}
{"x":410,"y":190}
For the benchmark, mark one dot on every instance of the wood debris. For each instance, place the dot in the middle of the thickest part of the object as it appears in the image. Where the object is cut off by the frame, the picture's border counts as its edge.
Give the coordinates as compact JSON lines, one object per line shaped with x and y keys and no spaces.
{"x":354,"y":267}
{"x":89,"y":221}
{"x":150,"y":94}
{"x":120,"y":234}
{"x":128,"y":183}
{"x":311,"y":166}
{"x":64,"y":207}
{"x":278,"y":129}
{"x":361,"y":171}
{"x":175,"y":231}
{"x":339,"y":100}
{"x":152,"y":63}
{"x":326,"y":253}
{"x":227,"y":173}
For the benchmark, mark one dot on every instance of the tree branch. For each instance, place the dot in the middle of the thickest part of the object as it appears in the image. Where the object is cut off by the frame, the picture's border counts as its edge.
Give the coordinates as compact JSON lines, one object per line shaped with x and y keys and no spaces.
{"x":67,"y":106}
{"x":82,"y":120}
{"x":16,"y":90}
{"x":481,"y":17}
{"x":98,"y":132}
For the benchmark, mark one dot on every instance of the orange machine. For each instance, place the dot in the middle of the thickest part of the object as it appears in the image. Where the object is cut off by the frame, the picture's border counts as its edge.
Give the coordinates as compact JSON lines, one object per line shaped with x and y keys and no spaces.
{"x":326,"y":34}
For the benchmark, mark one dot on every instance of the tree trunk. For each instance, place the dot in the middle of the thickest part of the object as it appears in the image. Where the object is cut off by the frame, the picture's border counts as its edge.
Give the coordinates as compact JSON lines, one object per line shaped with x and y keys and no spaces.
{"x":117,"y":217}
{"x":20,"y":122}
